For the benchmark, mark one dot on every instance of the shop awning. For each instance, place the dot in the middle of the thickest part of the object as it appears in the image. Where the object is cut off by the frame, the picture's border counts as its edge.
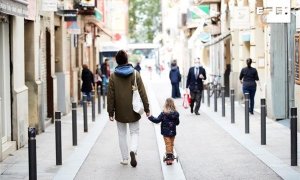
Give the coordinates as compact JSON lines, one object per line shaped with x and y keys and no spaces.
{"x":93,"y":20}
{"x":14,"y":7}
{"x":217,"y":39}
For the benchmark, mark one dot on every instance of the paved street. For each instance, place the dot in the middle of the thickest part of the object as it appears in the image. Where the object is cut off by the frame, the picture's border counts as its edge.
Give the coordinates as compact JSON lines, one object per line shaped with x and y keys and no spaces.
{"x":206,"y":149}
{"x":207,"y":152}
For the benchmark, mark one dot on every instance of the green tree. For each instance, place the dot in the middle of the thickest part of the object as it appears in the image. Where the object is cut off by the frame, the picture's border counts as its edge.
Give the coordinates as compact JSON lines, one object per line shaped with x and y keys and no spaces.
{"x":144,"y":20}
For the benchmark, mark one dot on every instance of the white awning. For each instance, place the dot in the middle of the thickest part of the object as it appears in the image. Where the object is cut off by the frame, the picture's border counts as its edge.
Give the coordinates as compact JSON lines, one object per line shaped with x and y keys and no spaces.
{"x":217,"y":39}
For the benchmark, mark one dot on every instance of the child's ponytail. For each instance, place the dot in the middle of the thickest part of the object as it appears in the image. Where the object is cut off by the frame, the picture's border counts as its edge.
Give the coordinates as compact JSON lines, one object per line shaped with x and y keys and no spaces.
{"x":169,"y":106}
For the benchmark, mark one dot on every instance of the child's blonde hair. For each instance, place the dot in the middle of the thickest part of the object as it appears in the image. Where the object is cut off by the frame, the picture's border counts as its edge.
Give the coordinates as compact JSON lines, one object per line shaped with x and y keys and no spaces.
{"x":169,"y":106}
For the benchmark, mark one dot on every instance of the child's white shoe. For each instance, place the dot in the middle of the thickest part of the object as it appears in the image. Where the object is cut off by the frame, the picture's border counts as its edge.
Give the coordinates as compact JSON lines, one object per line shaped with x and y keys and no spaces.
{"x":124,"y":162}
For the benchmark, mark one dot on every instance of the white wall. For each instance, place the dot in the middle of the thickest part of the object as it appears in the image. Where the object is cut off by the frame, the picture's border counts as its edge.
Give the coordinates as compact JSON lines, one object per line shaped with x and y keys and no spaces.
{"x":5,"y":82}
{"x":20,"y":91}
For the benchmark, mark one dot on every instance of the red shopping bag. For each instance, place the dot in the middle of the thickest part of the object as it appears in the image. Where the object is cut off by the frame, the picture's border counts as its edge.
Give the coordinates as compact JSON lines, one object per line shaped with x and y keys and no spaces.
{"x":186,"y":100}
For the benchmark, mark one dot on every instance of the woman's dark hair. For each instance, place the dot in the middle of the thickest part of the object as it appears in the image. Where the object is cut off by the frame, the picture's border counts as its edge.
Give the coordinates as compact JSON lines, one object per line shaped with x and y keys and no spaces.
{"x":249,"y":62}
{"x":121,"y":57}
{"x":85,"y":66}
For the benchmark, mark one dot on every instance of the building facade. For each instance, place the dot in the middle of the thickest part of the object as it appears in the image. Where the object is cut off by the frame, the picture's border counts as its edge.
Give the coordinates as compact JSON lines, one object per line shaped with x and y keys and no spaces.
{"x":42,"y":49}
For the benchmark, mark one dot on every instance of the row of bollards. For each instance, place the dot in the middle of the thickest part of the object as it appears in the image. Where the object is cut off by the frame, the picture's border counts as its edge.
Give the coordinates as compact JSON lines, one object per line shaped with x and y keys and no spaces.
{"x":293,"y":118}
{"x":32,"y":160}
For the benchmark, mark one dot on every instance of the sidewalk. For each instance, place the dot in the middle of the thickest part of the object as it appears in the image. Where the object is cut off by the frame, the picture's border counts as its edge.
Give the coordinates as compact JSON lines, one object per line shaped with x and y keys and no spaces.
{"x":277,"y":134}
{"x":16,"y":166}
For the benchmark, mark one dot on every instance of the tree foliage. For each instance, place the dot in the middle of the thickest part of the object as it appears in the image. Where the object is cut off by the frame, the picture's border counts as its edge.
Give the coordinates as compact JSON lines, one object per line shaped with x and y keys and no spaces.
{"x":144,"y":20}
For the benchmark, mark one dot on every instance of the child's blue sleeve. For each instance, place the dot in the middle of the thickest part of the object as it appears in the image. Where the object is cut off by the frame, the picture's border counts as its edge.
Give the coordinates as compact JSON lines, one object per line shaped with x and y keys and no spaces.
{"x":156,"y":120}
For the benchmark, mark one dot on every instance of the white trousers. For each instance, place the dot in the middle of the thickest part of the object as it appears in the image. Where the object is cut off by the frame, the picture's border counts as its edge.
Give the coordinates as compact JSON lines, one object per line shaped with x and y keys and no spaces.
{"x":134,"y":135}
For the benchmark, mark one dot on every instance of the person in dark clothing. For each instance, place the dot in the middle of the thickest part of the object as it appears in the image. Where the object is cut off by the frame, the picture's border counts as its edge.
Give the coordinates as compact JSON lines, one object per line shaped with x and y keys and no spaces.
{"x":248,"y":78}
{"x":98,"y":79}
{"x":169,"y":119}
{"x":105,"y":70}
{"x":138,"y":67}
{"x":194,"y":82}
{"x":87,"y":78}
{"x":175,"y":78}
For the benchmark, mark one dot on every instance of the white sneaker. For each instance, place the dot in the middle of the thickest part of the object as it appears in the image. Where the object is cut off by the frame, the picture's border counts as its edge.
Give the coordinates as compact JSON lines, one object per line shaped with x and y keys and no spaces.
{"x":124,"y":162}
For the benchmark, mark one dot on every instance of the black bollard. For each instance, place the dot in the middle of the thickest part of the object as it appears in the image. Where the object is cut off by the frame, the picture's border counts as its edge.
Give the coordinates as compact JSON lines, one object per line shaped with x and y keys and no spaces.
{"x":247,"y":113}
{"x":263,"y":121}
{"x":208,"y":95}
{"x":85,"y":120}
{"x":294,"y":136}
{"x":99,"y":99}
{"x":74,"y":123}
{"x":93,"y":105}
{"x":223,"y":101}
{"x":215,"y":99}
{"x":32,"y":153}
{"x":58,"y":138}
{"x":232,"y":106}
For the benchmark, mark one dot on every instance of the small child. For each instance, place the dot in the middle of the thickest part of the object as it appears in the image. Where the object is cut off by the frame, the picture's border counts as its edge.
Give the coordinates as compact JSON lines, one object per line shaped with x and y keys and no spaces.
{"x":169,"y":119}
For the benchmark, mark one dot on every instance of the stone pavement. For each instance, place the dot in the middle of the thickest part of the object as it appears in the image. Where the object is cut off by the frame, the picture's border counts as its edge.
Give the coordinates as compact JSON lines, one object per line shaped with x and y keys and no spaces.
{"x":206,"y":151}
{"x":16,"y":165}
{"x":208,"y":146}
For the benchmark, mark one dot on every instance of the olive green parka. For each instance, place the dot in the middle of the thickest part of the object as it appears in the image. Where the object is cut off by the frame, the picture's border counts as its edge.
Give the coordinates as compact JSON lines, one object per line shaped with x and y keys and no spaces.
{"x":119,"y":96}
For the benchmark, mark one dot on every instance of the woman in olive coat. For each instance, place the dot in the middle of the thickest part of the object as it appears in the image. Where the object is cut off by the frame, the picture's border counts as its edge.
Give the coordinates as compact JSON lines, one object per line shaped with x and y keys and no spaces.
{"x":119,"y":105}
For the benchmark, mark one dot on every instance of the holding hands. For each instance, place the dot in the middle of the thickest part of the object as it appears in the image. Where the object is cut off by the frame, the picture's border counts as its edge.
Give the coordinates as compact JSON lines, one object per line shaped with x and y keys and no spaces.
{"x":112,"y":118}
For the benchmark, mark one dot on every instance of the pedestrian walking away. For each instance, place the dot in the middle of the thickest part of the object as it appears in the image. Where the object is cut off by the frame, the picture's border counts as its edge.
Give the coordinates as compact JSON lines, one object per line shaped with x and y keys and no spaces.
{"x":195,"y":78}
{"x":138,"y":67}
{"x":87,"y":78}
{"x":248,"y":78}
{"x":119,"y":105}
{"x":175,"y":78}
{"x":105,"y":72}
{"x":97,"y":76}
{"x":169,"y":119}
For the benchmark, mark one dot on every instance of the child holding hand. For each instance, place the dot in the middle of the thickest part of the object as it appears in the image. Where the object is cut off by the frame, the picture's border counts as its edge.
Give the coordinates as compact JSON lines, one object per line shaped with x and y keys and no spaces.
{"x":169,"y":119}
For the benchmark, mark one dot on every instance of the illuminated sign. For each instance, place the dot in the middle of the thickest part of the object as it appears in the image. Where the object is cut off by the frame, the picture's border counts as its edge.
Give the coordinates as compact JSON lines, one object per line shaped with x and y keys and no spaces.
{"x":275,"y":11}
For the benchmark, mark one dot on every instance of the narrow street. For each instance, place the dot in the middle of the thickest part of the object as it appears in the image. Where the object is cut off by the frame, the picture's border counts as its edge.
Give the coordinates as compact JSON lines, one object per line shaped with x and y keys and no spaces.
{"x":69,"y":67}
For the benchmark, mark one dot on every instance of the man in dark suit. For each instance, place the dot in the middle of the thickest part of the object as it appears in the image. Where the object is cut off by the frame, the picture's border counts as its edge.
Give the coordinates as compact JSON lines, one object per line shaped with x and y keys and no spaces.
{"x":194,"y":82}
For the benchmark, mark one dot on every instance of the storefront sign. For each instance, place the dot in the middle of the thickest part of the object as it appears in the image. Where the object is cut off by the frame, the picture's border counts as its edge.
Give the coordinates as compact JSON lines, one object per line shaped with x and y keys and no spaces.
{"x":88,"y":3}
{"x":12,"y":7}
{"x":276,"y":11}
{"x":70,"y":15}
{"x":73,"y":28}
{"x":49,"y":5}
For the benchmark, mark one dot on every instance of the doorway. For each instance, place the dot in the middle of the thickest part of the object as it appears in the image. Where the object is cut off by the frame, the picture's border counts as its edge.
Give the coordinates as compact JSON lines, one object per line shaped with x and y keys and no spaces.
{"x":50,"y":102}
